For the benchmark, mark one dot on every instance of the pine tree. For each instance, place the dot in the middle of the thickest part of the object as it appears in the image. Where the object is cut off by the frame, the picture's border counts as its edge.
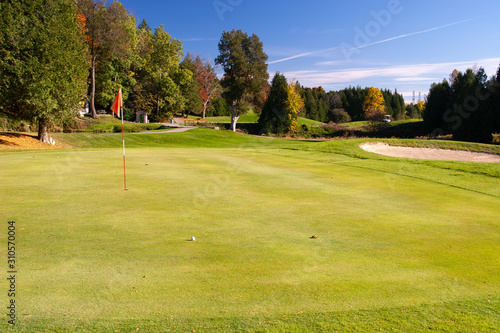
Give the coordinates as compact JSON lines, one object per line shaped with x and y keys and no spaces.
{"x":439,"y":100}
{"x":273,"y":118}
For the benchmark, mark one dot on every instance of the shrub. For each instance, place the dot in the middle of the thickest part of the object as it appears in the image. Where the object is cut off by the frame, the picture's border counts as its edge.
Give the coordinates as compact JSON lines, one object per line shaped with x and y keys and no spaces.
{"x":334,"y":127}
{"x":339,"y":116}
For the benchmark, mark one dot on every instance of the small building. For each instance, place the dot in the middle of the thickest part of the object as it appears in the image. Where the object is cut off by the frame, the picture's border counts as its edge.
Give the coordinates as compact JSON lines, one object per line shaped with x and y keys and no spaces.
{"x":141,"y":117}
{"x":84,"y":108}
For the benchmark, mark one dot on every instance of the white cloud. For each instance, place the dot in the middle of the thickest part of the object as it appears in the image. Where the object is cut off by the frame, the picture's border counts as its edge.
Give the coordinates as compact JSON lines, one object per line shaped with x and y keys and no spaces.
{"x":415,"y":79}
{"x":418,"y":73}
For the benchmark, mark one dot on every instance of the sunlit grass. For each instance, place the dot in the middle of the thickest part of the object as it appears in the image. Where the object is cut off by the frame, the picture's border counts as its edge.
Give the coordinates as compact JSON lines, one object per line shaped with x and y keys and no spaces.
{"x":401,"y":245}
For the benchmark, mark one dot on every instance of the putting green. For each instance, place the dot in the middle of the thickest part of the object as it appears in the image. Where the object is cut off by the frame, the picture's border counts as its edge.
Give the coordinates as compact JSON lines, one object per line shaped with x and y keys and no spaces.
{"x":387,"y":238}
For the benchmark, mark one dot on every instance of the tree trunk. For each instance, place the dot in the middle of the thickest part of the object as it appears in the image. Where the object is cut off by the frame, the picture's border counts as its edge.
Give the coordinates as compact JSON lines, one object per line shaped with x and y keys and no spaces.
{"x":158,"y":107}
{"x":234,"y":117}
{"x":43,"y":130}
{"x":204,"y":108}
{"x":92,"y":90}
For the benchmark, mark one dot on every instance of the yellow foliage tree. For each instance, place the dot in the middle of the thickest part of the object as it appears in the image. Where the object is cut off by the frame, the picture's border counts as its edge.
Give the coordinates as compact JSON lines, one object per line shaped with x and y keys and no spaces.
{"x":421,"y":105}
{"x":295,"y":104}
{"x":373,"y":105}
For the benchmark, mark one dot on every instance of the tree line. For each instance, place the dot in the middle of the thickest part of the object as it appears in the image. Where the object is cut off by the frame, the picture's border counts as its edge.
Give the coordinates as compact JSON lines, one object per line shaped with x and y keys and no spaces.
{"x":347,"y":104}
{"x":57,"y":53}
{"x":146,"y":63}
{"x":467,"y":105}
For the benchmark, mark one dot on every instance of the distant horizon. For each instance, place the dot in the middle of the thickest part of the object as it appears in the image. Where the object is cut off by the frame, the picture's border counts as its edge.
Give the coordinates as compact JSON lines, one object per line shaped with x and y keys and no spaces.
{"x":390,"y":44}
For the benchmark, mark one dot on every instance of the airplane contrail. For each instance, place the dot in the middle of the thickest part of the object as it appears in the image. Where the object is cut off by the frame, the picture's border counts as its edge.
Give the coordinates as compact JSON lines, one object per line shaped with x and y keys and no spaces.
{"x":415,"y":33}
{"x":371,"y":44}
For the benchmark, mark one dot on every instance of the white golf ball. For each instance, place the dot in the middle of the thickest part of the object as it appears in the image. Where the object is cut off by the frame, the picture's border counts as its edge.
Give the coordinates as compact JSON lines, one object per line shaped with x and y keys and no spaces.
{"x":193,"y":239}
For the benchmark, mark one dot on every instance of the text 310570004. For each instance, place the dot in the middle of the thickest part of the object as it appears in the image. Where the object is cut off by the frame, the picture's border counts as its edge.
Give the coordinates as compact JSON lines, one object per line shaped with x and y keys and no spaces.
{"x":11,"y":271}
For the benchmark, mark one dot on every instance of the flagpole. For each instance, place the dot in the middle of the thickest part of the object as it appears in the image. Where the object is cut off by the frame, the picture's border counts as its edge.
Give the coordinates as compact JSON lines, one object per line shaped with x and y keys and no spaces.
{"x":123,"y":140}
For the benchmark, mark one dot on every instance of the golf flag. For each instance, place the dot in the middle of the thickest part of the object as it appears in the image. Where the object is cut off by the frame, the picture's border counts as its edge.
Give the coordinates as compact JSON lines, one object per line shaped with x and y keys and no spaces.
{"x":118,"y":104}
{"x":116,"y":108}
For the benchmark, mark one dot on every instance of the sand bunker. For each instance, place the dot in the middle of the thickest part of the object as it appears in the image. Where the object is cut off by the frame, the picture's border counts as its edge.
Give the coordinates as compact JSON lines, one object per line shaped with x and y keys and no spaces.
{"x":429,"y":153}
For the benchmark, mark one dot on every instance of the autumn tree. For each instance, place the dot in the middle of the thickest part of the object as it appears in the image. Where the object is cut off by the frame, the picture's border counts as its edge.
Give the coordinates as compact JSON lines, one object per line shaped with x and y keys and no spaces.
{"x":374,"y":105}
{"x":245,"y":70}
{"x":205,"y":82}
{"x":294,"y":104}
{"x":208,"y":83}
{"x":43,"y":67}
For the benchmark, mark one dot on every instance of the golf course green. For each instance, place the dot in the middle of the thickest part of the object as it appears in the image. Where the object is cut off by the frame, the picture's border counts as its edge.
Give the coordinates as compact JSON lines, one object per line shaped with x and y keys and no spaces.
{"x":290,"y":236}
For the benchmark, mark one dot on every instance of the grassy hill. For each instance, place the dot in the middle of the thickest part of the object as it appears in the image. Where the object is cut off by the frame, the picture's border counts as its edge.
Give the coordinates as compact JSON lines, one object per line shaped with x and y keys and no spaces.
{"x":402,"y":245}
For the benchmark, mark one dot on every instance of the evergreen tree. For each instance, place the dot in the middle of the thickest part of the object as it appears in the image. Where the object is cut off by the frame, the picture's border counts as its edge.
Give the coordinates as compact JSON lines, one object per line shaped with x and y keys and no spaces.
{"x":354,"y":102}
{"x":43,"y":70}
{"x":273,"y":118}
{"x":387,"y":94}
{"x":322,"y":109}
{"x":494,"y":102}
{"x":399,"y":99}
{"x":219,"y":107}
{"x":472,"y":116}
{"x":144,"y":25}
{"x":190,"y":91}
{"x":310,"y":107}
{"x":279,"y":114}
{"x":439,"y":100}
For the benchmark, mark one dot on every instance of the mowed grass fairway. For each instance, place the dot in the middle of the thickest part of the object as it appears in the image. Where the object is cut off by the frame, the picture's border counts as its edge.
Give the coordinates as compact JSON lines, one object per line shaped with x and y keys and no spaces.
{"x":403,"y":245}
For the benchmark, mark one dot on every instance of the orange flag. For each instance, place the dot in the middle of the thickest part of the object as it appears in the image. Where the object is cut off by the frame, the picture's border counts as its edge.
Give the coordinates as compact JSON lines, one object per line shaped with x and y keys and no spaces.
{"x":118,"y":104}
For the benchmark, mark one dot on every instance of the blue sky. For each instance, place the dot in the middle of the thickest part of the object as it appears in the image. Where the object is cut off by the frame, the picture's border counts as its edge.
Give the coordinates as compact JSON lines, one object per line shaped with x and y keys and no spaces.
{"x":396,"y":44}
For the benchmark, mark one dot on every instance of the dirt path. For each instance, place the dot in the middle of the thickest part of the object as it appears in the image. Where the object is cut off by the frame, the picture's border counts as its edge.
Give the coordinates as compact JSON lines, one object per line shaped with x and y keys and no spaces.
{"x":175,"y":130}
{"x":429,"y":153}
